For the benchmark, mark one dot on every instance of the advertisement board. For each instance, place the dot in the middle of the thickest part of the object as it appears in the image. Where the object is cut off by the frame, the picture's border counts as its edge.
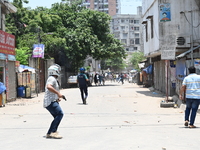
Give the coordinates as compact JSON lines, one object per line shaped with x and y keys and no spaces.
{"x":38,"y":51}
{"x":165,"y":12}
{"x":7,"y":43}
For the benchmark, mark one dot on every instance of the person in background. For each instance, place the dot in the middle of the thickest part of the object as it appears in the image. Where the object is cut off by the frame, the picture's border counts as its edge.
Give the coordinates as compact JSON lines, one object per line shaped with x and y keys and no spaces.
{"x":82,"y":81}
{"x":52,"y":98}
{"x":121,"y":78}
{"x":191,"y":88}
{"x":96,"y":78}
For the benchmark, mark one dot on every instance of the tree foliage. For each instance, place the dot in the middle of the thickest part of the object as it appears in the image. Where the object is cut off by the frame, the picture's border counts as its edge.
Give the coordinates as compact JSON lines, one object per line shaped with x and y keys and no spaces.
{"x":22,"y":55}
{"x":70,"y":33}
{"x":136,"y":58}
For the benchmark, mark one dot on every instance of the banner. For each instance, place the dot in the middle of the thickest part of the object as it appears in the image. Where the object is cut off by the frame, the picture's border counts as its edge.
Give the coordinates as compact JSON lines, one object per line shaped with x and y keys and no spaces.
{"x":197,"y":63}
{"x":38,"y":51}
{"x":165,"y":12}
{"x":7,"y":43}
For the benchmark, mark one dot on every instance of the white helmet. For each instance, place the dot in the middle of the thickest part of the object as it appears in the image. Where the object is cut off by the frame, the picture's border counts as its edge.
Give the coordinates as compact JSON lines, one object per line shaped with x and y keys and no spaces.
{"x":54,"y":70}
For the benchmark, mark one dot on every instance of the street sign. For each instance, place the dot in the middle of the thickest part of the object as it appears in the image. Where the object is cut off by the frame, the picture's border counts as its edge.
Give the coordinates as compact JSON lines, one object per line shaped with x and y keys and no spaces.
{"x":168,"y":53}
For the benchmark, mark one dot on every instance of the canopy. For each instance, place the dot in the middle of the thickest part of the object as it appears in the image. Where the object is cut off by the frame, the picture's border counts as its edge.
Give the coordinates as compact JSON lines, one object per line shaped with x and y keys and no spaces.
{"x":23,"y":68}
{"x":187,"y":52}
{"x":2,"y":56}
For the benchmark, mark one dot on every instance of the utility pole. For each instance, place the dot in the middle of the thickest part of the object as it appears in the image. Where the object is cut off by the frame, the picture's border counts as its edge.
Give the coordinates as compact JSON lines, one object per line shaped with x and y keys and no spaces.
{"x":192,"y":58}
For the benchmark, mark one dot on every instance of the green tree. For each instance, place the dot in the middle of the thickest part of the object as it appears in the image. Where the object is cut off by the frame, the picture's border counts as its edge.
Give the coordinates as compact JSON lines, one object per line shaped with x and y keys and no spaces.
{"x":136,"y":58}
{"x":22,"y":55}
{"x":76,"y":32}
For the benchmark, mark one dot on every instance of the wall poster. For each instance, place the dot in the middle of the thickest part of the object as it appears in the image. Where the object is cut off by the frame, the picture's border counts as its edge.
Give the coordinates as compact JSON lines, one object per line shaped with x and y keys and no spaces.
{"x":165,"y":12}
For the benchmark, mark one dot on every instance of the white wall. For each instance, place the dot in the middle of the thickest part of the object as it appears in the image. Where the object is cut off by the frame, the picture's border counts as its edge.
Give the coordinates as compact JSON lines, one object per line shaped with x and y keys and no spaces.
{"x":165,"y":33}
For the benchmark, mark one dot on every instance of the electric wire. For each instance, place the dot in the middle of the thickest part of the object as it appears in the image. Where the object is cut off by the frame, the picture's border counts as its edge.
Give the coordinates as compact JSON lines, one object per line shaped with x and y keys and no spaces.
{"x":190,"y":22}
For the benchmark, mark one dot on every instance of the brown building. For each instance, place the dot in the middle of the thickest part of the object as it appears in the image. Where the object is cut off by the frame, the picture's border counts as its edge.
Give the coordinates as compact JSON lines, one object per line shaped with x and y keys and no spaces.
{"x":111,"y":7}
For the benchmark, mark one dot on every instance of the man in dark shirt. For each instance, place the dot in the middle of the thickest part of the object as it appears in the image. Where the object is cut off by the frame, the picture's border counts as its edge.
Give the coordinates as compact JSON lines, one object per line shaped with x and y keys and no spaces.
{"x":82,"y":81}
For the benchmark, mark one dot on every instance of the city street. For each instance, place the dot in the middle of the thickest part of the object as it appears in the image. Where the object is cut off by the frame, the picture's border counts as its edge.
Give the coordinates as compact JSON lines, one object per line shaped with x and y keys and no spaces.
{"x":116,"y":117}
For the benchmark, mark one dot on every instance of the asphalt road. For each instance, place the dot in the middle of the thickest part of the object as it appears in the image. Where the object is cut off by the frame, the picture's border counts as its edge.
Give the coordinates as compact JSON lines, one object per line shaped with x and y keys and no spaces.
{"x":116,"y":117}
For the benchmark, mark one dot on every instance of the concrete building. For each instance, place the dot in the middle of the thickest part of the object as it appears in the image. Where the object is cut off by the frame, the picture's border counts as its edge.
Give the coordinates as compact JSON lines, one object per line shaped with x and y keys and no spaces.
{"x":111,"y":7}
{"x":171,"y":40}
{"x":128,"y":29}
{"x":7,"y":53}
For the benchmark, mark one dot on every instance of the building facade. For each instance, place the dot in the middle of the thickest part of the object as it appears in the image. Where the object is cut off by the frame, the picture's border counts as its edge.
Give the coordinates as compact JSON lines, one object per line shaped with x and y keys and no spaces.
{"x":171,"y":40}
{"x":111,"y":7}
{"x":128,"y":29}
{"x":7,"y":53}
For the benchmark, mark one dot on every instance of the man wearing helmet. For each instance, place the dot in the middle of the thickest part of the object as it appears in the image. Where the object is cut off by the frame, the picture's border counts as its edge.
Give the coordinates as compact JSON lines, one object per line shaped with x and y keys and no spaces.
{"x":51,"y":100}
{"x":82,"y":81}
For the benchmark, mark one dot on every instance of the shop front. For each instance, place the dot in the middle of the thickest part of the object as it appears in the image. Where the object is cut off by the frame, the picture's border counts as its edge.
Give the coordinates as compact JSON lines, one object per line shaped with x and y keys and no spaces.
{"x":7,"y":65}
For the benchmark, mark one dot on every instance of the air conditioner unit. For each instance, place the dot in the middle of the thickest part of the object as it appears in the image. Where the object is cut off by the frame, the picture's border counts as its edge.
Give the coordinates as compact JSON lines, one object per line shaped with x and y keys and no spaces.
{"x":183,"y":41}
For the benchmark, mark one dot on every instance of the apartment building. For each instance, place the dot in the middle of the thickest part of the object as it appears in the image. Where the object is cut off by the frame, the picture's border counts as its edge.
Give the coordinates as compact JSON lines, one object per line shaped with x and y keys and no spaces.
{"x":171,"y":40}
{"x":128,"y":29}
{"x":111,"y":7}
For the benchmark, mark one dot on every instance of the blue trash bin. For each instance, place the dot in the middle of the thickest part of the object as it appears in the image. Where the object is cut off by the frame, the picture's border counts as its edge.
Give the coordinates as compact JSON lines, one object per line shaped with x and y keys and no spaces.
{"x":21,"y":91}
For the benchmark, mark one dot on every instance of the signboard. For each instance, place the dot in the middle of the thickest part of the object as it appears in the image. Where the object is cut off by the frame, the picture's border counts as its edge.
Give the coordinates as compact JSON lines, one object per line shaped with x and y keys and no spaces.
{"x":197,"y":63}
{"x":17,"y":63}
{"x":165,"y":12}
{"x":168,"y":53}
{"x":7,"y":43}
{"x":38,"y":50}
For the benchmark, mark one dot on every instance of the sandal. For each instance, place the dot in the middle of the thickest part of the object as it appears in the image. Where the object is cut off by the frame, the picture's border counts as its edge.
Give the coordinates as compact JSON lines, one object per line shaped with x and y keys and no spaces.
{"x":186,"y":123}
{"x":192,"y":126}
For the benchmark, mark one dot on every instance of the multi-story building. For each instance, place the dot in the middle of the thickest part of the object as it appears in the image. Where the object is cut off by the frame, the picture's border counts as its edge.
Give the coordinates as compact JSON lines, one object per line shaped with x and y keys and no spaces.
{"x":111,"y":7}
{"x":171,"y":40}
{"x":128,"y":29}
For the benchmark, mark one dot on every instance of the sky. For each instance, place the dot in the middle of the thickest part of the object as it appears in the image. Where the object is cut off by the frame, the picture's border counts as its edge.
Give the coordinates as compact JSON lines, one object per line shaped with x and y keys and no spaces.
{"x":128,"y":6}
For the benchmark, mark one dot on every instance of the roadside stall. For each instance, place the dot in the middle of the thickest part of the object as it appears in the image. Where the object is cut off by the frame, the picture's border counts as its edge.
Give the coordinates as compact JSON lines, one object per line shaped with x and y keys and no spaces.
{"x":26,"y":78}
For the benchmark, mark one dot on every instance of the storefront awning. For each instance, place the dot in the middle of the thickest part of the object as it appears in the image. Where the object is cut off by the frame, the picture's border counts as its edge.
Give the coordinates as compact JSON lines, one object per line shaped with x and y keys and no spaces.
{"x":2,"y":56}
{"x":11,"y":58}
{"x":24,"y":68}
{"x":187,"y":52}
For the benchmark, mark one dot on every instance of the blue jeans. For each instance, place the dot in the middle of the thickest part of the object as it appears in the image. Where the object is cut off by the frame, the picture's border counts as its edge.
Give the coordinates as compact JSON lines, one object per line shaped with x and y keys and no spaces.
{"x":56,"y":111}
{"x":191,"y":109}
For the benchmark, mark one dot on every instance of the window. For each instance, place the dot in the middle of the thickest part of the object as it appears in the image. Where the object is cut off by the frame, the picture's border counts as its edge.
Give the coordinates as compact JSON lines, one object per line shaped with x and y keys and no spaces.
{"x":131,"y":27}
{"x":125,"y":35}
{"x":122,"y":21}
{"x":123,"y":41}
{"x":131,"y":21}
{"x":136,"y":28}
{"x":122,"y":27}
{"x":135,"y":48}
{"x":131,"y":41}
{"x":136,"y":21}
{"x":137,"y":41}
{"x":137,"y":35}
{"x":127,"y":49}
{"x":152,"y":27}
{"x":116,"y":35}
{"x":145,"y":23}
{"x":151,"y":23}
